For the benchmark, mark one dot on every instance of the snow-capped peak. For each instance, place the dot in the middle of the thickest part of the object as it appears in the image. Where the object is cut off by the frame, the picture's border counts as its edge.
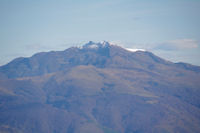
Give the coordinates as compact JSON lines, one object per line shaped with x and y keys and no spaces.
{"x":105,"y":44}
{"x":93,"y":45}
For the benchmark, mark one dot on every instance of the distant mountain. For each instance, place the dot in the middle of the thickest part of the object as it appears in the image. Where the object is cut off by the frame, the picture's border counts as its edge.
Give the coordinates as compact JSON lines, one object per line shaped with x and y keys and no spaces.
{"x":99,"y":88}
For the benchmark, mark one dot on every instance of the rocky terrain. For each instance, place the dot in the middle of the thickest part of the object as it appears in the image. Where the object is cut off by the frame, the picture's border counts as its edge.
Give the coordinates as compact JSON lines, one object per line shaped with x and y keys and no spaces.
{"x":99,"y":88}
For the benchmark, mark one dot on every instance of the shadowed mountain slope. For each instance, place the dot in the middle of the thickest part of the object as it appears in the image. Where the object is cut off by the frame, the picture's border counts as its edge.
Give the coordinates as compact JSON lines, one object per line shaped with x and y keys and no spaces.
{"x":99,"y":88}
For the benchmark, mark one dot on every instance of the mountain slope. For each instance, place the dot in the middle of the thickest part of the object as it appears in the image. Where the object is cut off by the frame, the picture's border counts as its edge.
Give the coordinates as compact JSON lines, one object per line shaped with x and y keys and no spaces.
{"x":102,"y":56}
{"x":99,"y":88}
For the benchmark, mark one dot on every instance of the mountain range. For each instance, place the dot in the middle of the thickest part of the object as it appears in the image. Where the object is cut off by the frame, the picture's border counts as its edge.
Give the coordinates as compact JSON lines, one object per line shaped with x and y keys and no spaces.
{"x":99,"y":88}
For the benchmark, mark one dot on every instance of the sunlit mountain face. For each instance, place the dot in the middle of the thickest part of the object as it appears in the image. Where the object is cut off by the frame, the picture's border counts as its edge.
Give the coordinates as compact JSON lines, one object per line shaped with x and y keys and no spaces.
{"x":99,"y":88}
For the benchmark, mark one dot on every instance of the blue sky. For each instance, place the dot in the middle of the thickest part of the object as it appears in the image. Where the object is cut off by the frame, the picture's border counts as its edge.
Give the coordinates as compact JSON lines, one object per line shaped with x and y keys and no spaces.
{"x":170,"y":29}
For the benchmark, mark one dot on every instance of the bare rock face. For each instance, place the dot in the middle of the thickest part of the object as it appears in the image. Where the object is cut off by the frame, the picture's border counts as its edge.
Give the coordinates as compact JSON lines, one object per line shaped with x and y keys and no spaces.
{"x":99,"y":88}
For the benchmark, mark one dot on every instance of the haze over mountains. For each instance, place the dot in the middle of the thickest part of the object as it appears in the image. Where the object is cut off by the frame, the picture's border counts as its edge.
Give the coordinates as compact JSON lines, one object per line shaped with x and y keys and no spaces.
{"x":99,"y":88}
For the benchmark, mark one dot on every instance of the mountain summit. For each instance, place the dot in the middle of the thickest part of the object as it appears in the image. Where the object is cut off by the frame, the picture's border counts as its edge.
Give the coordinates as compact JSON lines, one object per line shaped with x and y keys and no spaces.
{"x":94,"y":45}
{"x":101,"y":88}
{"x":101,"y":55}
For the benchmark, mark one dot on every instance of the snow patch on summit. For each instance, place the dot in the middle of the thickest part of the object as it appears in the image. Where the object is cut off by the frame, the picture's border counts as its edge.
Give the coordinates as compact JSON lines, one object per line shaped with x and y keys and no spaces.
{"x":134,"y":50}
{"x":93,"y":46}
{"x":105,"y":44}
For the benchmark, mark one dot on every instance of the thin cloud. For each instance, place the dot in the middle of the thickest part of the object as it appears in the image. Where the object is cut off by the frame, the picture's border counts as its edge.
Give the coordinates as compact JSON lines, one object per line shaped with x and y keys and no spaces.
{"x":178,"y":44}
{"x":184,"y":43}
